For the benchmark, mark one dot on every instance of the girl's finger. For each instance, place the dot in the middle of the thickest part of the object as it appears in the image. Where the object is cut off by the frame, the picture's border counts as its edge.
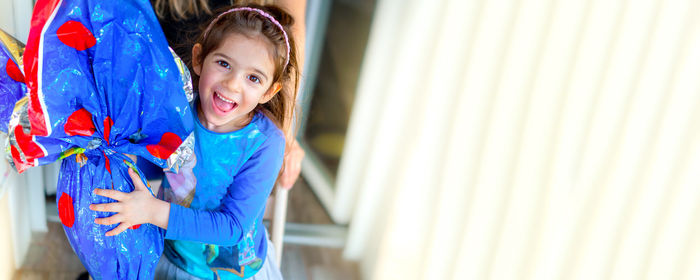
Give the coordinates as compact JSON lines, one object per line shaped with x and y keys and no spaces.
{"x":119,"y":229}
{"x":106,"y":207}
{"x":116,"y":195}
{"x":132,"y":157}
{"x":114,"y":219}
{"x":138,"y":184}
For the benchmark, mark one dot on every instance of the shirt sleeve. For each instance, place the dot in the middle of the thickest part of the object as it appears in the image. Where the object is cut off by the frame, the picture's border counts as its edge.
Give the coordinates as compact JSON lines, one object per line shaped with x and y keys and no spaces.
{"x":242,"y":205}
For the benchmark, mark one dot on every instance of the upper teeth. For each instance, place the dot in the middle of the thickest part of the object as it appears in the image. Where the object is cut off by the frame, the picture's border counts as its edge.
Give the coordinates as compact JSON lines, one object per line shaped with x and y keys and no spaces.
{"x":224,"y":99}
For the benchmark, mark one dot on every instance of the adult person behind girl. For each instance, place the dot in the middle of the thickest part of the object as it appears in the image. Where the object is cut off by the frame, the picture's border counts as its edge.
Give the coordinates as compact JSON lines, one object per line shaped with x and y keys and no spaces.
{"x":181,"y":21}
{"x":247,"y":79}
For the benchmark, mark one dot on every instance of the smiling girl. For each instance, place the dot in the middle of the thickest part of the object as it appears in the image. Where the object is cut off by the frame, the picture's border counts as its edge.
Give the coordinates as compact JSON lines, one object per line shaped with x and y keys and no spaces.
{"x":247,"y":76}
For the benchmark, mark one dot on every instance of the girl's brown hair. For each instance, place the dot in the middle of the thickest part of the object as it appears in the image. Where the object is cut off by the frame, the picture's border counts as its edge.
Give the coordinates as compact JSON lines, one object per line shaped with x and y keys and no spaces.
{"x":181,"y":9}
{"x":280,"y":109}
{"x":185,"y":9}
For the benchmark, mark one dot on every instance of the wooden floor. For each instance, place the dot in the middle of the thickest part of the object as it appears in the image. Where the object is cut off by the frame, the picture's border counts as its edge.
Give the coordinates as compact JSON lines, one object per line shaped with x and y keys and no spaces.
{"x":50,"y":256}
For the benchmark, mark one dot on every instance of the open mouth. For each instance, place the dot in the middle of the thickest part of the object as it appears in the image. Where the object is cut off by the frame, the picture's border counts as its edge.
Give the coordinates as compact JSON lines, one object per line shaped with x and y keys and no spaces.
{"x":223,"y":104}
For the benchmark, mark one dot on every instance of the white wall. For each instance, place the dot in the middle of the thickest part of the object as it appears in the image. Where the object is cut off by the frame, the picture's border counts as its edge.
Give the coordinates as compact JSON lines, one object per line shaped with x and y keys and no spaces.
{"x":15,"y":16}
{"x":23,"y":194}
{"x":7,"y":259}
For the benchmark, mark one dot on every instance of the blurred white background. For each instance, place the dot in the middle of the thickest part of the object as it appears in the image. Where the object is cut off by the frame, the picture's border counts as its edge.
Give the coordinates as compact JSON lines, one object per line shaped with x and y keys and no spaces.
{"x":508,"y":139}
{"x":531,"y":139}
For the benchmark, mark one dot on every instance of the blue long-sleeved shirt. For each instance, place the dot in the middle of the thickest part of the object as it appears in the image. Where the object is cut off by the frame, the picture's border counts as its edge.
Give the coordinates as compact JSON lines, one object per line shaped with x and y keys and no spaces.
{"x":221,"y":232}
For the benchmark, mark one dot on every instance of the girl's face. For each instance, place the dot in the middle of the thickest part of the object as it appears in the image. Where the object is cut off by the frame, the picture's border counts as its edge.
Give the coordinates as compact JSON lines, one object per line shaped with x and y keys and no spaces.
{"x":233,"y":80}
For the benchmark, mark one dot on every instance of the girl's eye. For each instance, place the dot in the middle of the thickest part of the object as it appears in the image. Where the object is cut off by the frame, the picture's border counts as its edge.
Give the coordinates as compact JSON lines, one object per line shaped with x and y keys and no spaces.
{"x":223,"y":64}
{"x":254,"y":79}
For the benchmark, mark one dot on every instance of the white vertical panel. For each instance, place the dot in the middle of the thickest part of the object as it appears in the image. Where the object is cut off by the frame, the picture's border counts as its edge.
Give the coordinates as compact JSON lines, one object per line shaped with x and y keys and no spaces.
{"x":654,"y":184}
{"x":454,"y":54}
{"x":15,"y":16}
{"x":674,"y":234}
{"x":36,"y":199}
{"x":624,"y":119}
{"x":552,"y":228}
{"x":21,"y":226}
{"x":561,"y":51}
{"x":423,"y":116}
{"x":26,"y":202}
{"x":596,"y":34}
{"x":593,"y":123}
{"x":7,"y":22}
{"x":400,"y":88}
{"x":483,"y":79}
{"x":7,"y":260}
{"x":531,"y":125}
{"x":687,"y":264}
{"x":433,"y":115}
{"x":362,"y":130}
{"x":22,"y":17}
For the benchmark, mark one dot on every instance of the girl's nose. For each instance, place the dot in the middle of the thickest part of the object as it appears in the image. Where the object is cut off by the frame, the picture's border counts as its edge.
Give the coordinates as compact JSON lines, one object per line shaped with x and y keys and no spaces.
{"x":233,"y":84}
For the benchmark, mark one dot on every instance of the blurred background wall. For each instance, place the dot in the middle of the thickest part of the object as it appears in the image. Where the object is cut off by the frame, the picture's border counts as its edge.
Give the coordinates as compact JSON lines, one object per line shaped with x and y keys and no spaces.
{"x":22,"y":210}
{"x":7,"y":264}
{"x":488,"y":139}
{"x":527,"y":139}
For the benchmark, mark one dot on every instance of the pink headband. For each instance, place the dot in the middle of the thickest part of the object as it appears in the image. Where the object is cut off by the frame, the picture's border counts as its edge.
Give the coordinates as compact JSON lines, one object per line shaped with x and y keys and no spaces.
{"x":262,"y":13}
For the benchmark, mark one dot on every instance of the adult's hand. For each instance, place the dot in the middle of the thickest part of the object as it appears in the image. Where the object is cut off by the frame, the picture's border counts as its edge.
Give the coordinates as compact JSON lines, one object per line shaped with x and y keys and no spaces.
{"x":292,"y":165}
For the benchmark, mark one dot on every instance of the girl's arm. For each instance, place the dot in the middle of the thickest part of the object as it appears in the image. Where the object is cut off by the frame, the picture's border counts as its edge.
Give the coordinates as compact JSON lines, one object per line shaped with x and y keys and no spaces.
{"x":225,"y":225}
{"x":242,"y":205}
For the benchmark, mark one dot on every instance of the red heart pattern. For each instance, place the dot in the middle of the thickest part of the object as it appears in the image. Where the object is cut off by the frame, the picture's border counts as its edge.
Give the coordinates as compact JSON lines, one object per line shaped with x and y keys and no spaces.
{"x":169,"y":142}
{"x":108,"y":123}
{"x":107,"y":166}
{"x":65,"y":210}
{"x":79,"y":123}
{"x":30,"y":148}
{"x":75,"y":35}
{"x":13,"y":71}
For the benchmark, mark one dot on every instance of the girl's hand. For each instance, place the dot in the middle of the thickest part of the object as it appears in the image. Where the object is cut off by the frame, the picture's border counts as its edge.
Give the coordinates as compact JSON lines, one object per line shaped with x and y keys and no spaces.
{"x":134,"y":208}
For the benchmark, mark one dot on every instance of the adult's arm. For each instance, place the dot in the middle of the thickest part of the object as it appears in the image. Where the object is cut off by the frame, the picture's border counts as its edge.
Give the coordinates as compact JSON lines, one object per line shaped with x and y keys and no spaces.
{"x":297,"y":8}
{"x":295,"y":154}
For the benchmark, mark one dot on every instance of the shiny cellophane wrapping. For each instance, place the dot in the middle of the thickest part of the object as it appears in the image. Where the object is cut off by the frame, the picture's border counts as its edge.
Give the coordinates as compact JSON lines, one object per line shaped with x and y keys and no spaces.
{"x":98,"y":83}
{"x":12,"y":86}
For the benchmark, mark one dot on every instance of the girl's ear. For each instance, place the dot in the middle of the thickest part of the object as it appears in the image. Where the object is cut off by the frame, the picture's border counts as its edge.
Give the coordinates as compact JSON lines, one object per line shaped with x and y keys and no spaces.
{"x":274,"y":89}
{"x":196,"y":51}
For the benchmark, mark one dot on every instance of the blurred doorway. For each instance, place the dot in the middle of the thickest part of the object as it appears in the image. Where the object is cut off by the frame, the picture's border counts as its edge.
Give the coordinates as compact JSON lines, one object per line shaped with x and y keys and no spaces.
{"x":338,"y":31}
